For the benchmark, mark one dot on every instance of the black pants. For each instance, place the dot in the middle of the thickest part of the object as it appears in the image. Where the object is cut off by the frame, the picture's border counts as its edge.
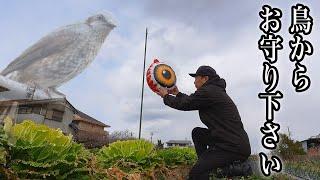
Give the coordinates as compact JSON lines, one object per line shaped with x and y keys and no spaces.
{"x":209,"y":156}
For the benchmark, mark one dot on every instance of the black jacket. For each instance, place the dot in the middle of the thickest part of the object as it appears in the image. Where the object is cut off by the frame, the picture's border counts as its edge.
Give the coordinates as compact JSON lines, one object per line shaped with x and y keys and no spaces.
{"x":218,"y":112}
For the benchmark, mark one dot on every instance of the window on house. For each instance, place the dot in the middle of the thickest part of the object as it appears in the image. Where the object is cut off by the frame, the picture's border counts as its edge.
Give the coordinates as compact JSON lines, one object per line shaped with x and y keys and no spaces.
{"x":36,"y":109}
{"x":57,"y":115}
{"x":25,"y":109}
{"x":48,"y":114}
{"x":43,"y":111}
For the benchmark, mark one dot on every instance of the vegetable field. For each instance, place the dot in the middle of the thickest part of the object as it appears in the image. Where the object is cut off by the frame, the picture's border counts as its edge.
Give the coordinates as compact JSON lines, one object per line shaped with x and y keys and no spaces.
{"x":306,"y":167}
{"x":35,"y":151}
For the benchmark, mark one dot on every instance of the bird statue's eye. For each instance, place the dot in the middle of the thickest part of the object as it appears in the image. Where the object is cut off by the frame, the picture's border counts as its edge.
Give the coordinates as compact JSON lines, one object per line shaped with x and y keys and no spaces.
{"x":164,"y":75}
{"x":100,"y":17}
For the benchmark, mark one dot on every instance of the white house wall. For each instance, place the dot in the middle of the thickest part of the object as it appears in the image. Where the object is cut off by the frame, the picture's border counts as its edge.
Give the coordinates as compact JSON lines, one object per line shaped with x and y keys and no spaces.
{"x":305,"y":146}
{"x":34,"y":117}
{"x":64,"y":124}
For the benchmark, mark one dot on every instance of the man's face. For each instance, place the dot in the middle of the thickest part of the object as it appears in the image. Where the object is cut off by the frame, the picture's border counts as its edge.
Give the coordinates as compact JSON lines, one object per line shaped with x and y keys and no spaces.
{"x":200,"y":80}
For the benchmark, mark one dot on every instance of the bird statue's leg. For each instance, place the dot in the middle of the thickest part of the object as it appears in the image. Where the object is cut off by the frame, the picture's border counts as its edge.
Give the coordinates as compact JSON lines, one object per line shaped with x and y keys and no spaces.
{"x":47,"y":90}
{"x":31,"y":88}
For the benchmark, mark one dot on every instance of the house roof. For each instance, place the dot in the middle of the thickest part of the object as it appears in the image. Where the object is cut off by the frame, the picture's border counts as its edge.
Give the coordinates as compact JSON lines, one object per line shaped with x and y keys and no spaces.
{"x":62,"y":101}
{"x":81,"y":116}
{"x":179,"y":142}
{"x":315,"y":137}
{"x":312,"y":137}
{"x":28,"y":101}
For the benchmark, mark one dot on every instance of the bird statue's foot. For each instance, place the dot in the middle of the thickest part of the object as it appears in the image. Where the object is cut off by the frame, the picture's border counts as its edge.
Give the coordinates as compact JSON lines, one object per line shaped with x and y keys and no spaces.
{"x":32,"y":84}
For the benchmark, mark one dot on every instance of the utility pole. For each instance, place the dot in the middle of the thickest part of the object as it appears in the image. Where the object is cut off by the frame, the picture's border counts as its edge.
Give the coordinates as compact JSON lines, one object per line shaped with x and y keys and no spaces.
{"x":151,"y":134}
{"x":144,"y":68}
{"x":289,"y":133}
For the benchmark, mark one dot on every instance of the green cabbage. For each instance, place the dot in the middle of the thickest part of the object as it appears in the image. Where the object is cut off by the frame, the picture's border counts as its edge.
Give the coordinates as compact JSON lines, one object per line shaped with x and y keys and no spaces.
{"x":177,"y":156}
{"x":130,"y":155}
{"x":42,"y":152}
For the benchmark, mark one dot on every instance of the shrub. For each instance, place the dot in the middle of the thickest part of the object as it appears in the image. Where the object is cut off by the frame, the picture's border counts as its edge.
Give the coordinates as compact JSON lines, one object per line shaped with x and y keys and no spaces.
{"x":177,"y":156}
{"x":288,"y":148}
{"x":121,"y":136}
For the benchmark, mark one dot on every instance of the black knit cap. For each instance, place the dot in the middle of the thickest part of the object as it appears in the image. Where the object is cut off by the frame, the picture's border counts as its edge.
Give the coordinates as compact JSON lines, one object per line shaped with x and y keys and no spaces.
{"x":204,"y":71}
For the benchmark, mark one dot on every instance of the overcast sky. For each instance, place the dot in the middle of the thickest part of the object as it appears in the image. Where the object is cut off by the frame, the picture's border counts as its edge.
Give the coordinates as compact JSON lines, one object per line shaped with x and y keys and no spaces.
{"x":184,"y":34}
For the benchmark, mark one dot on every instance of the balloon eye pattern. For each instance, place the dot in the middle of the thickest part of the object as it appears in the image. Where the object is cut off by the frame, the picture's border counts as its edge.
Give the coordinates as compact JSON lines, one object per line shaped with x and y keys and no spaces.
{"x":160,"y":75}
{"x":164,"y":75}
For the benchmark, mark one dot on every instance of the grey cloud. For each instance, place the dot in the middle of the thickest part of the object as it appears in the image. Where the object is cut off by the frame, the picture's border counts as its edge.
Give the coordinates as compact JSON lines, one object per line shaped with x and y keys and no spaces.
{"x":207,"y":13}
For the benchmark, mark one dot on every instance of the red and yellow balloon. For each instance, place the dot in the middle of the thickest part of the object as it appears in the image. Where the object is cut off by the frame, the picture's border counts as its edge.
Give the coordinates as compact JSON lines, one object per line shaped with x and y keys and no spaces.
{"x":160,"y":75}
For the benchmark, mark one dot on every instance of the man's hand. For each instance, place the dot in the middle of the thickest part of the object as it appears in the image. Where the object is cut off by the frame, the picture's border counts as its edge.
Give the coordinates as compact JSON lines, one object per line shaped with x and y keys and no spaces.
{"x":174,"y":91}
{"x":162,"y":92}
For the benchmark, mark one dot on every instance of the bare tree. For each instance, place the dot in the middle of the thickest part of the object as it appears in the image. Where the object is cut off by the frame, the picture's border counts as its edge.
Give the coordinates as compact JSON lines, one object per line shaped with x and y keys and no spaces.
{"x":159,"y":144}
{"x":121,"y":136}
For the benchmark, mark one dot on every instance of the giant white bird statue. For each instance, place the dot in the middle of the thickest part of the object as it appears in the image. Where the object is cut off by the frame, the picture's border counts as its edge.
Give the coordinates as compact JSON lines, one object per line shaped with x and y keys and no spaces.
{"x":62,"y":54}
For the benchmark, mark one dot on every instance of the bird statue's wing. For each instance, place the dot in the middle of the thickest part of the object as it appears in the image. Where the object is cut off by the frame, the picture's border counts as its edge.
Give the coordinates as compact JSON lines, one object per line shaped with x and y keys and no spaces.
{"x":54,"y":42}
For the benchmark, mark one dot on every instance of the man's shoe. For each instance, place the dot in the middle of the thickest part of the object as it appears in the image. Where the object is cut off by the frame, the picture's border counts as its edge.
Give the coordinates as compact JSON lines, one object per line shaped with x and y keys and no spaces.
{"x":236,"y":168}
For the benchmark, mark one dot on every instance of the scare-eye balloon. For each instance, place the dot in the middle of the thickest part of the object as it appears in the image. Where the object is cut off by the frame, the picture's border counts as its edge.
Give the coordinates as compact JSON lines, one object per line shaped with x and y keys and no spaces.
{"x":160,"y":75}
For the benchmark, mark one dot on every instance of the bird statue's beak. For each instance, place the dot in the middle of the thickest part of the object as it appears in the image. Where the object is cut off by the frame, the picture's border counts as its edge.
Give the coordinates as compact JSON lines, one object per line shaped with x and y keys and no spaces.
{"x":111,"y":21}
